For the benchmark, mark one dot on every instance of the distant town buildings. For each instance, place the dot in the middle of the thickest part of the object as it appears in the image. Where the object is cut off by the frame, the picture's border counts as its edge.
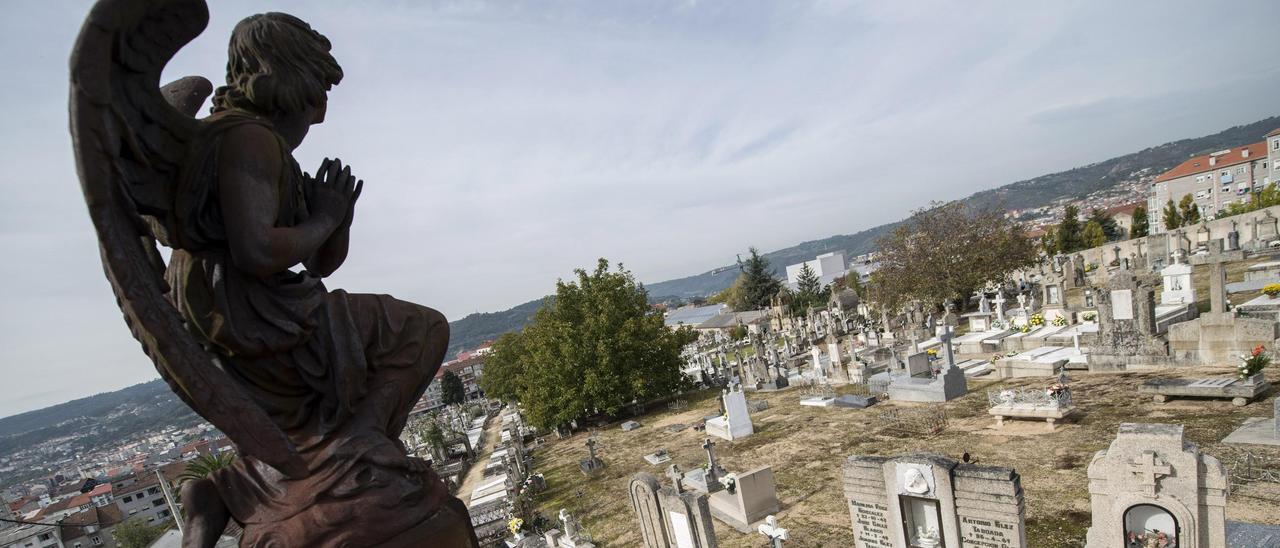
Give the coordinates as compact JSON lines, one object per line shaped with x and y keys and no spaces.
{"x":827,"y":266}
{"x":1216,"y":180}
{"x":468,"y":366}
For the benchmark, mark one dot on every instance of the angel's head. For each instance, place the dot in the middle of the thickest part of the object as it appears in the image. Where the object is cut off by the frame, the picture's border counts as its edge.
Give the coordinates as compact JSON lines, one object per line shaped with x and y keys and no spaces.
{"x":278,"y":66}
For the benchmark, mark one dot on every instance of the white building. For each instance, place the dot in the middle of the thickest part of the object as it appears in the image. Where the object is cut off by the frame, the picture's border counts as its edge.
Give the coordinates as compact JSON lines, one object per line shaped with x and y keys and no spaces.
{"x":827,"y":266}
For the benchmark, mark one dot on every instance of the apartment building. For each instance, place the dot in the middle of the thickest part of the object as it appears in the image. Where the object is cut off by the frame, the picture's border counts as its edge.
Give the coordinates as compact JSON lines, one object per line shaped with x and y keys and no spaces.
{"x":1216,"y":180}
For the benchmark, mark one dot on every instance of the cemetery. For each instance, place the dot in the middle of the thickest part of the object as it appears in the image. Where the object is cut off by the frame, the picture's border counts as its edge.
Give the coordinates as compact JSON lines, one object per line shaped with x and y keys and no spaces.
{"x":810,"y":454}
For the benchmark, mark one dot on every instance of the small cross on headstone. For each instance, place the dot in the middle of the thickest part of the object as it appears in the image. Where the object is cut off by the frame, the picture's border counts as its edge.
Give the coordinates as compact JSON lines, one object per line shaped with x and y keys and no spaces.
{"x":774,"y":533}
{"x":591,"y":446}
{"x":677,"y":478}
{"x":1149,"y":468}
{"x":712,"y":477}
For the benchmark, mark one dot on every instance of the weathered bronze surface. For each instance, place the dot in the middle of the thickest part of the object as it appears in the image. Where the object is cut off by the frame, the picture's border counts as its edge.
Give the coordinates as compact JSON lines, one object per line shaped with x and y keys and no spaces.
{"x":313,"y":386}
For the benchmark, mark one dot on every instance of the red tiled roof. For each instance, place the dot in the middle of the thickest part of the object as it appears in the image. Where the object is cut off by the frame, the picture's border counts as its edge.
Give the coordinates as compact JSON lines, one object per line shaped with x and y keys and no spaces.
{"x":1200,"y":164}
{"x":1124,"y":209}
{"x":1274,"y":132}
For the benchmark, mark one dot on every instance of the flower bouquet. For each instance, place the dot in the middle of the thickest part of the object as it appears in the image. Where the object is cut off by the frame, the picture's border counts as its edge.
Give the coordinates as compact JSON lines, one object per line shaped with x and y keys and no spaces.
{"x":1254,"y":362}
{"x":1272,"y":290}
{"x":1037,"y":320}
{"x":1026,"y":328}
{"x":1060,"y":321}
{"x":1089,"y":316}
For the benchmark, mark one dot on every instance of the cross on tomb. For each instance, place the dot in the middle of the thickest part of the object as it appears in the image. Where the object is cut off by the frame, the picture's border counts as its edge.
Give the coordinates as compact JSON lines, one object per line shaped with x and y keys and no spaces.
{"x":946,"y":337}
{"x":999,"y":300}
{"x":712,"y":476}
{"x":1217,"y":261}
{"x":774,"y":533}
{"x":1149,"y":468}
{"x":677,"y":478}
{"x":591,"y":446}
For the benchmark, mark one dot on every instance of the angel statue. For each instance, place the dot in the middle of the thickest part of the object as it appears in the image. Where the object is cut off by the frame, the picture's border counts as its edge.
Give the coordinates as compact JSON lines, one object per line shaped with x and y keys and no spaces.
{"x":313,"y":386}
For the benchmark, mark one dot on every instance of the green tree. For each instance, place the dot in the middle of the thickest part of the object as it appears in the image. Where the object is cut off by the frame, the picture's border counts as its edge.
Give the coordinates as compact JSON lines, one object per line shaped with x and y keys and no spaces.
{"x":809,"y":291}
{"x":1172,"y":217}
{"x":501,"y":383}
{"x":433,"y":436}
{"x":597,"y":347}
{"x":1189,"y":210}
{"x":731,"y":295}
{"x":451,"y":389}
{"x":758,"y":285}
{"x":1109,"y":226}
{"x":1069,"y":238}
{"x":1049,"y":242}
{"x":1141,"y":226}
{"x":946,"y":252}
{"x":1093,"y":235}
{"x":135,"y":533}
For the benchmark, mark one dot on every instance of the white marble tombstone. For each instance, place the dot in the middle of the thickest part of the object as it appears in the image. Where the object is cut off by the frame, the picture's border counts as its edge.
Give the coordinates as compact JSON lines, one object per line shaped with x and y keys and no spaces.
{"x":1178,"y":288}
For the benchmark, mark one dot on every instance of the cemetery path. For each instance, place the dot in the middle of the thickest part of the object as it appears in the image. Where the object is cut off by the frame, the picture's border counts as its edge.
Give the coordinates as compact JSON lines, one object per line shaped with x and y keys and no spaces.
{"x":492,"y":431}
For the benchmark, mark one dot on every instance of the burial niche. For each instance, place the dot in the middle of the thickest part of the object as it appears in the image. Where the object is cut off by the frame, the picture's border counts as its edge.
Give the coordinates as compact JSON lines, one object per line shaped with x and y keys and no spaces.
{"x":1148,"y":521}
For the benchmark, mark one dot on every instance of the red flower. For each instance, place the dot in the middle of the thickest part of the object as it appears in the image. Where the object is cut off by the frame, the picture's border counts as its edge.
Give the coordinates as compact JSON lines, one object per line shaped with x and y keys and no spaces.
{"x":1257,"y":350}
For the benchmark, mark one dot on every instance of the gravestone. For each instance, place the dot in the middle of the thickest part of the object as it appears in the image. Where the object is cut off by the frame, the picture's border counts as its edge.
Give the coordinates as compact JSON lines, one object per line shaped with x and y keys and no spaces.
{"x":1127,"y":331}
{"x":930,"y":500}
{"x":1259,"y":430}
{"x":630,"y":425}
{"x":1151,"y":480}
{"x":948,"y":385}
{"x":670,"y":516}
{"x":752,"y":497}
{"x":592,"y":465}
{"x":1218,"y":336}
{"x":735,"y":423}
{"x":1178,"y":288}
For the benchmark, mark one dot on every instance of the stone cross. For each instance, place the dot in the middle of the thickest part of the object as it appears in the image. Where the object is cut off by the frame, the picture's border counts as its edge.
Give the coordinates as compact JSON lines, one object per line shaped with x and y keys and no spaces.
{"x":677,"y":478}
{"x":591,"y":446}
{"x":945,"y":337}
{"x":569,"y":524}
{"x":712,"y":477}
{"x":1149,"y":468}
{"x":999,"y":300}
{"x":1217,"y":277}
{"x":772,"y":532}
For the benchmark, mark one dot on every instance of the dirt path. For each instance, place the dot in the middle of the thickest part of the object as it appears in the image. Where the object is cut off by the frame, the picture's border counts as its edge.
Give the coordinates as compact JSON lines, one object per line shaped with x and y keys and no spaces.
{"x":489,"y":440}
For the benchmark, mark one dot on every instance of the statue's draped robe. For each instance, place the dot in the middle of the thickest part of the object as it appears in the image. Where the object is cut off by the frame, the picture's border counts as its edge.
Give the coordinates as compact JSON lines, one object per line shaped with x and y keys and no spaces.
{"x":337,"y":372}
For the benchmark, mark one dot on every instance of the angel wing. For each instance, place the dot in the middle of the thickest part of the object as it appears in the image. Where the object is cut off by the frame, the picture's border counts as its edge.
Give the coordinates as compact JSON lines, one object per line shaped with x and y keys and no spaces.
{"x":130,"y":146}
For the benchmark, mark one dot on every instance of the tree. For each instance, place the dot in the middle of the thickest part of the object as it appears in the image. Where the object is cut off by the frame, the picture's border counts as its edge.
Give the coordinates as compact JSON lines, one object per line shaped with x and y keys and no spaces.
{"x":1140,"y":223}
{"x":1108,"y":224}
{"x":1049,"y":242}
{"x":135,"y":533}
{"x":808,"y":290}
{"x":597,"y":347}
{"x":1093,"y":235}
{"x":433,"y":436}
{"x":946,"y":252}
{"x":1069,"y":230}
{"x":451,"y":389}
{"x":1172,"y":217}
{"x":758,"y":285}
{"x":731,"y":295}
{"x":1189,"y":210}
{"x":204,"y":465}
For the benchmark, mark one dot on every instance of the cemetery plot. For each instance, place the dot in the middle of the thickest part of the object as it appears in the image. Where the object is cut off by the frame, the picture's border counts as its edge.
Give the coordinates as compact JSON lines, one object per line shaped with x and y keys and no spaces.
{"x":1239,"y":391}
{"x":1051,"y":405}
{"x":914,"y":421}
{"x":807,"y":449}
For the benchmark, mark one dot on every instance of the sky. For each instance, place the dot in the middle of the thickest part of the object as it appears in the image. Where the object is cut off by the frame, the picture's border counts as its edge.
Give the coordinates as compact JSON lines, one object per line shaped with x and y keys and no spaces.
{"x":504,"y":144}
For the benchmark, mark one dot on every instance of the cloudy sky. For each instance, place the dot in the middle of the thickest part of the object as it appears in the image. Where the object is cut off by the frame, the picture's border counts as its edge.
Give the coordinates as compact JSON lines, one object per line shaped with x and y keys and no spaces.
{"x":504,"y":144}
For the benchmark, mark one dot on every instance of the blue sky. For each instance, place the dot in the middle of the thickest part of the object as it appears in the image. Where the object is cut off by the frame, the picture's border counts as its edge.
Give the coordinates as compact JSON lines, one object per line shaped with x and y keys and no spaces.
{"x":504,"y":144}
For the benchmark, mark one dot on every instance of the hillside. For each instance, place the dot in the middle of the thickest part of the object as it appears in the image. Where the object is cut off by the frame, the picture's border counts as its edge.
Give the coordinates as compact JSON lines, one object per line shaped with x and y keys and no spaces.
{"x":1073,"y":183}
